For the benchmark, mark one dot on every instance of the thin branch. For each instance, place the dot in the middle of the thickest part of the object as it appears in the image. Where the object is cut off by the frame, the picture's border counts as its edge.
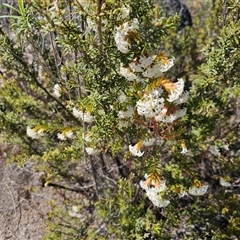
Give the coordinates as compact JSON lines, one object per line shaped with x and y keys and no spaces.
{"x":100,"y":46}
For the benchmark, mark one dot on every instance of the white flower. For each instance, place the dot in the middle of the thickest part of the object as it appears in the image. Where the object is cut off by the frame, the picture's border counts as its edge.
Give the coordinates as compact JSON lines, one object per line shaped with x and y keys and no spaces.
{"x":157,"y":199}
{"x":162,"y":117}
{"x":86,"y":117}
{"x":64,"y":135}
{"x":135,"y":66}
{"x":124,"y":12}
{"x":122,"y":97}
{"x":150,"y":104}
{"x":198,"y":191}
{"x":75,"y":209}
{"x":91,"y":151}
{"x":91,"y":24}
{"x":35,"y":134}
{"x":122,"y":35}
{"x":214,"y":150}
{"x":183,"y":194}
{"x":226,"y":147}
{"x":182,"y":98}
{"x":122,"y":123}
{"x":126,"y":114}
{"x":135,"y":150}
{"x":61,"y":136}
{"x":160,"y":188}
{"x":69,"y":134}
{"x":152,"y":72}
{"x":127,"y":73}
{"x":149,"y":142}
{"x":57,"y":90}
{"x":134,"y":25}
{"x":175,"y":93}
{"x":153,"y":192}
{"x":74,"y":212}
{"x":161,"y":114}
{"x":155,"y":69}
{"x":224,"y":183}
{"x":87,"y":137}
{"x":184,"y":150}
{"x":145,"y":61}
{"x":77,"y":113}
{"x":122,"y":43}
{"x":164,"y":67}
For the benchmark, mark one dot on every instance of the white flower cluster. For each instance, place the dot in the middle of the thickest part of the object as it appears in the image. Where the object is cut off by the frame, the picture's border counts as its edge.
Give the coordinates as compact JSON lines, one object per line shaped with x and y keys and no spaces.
{"x":148,"y":66}
{"x":34,"y":133}
{"x":162,"y":102}
{"x":184,"y":150}
{"x":126,"y":114}
{"x":128,"y":73}
{"x":91,"y":151}
{"x":135,"y":150}
{"x":224,"y":183}
{"x":87,"y":137}
{"x":214,"y":150}
{"x":198,"y":191}
{"x":124,"y":12}
{"x":57,"y":90}
{"x":122,"y":35}
{"x":65,"y":135}
{"x":153,"y":105}
{"x":150,"y":142}
{"x":153,"y":192}
{"x":84,"y":116}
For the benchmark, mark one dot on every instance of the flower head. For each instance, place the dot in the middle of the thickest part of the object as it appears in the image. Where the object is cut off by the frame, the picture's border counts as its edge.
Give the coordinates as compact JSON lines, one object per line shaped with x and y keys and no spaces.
{"x":127,"y":73}
{"x":153,"y":188}
{"x":126,"y":114}
{"x":151,"y":104}
{"x":57,"y":90}
{"x":214,"y":150}
{"x":175,"y":90}
{"x":84,"y":116}
{"x":166,"y":64}
{"x":35,"y":133}
{"x":182,"y":98}
{"x":87,"y":137}
{"x":198,"y":190}
{"x":184,"y":148}
{"x":135,"y":150}
{"x":152,"y":67}
{"x":149,"y":142}
{"x":64,"y":135}
{"x":91,"y":151}
{"x":224,"y":183}
{"x":122,"y":35}
{"x":124,"y":12}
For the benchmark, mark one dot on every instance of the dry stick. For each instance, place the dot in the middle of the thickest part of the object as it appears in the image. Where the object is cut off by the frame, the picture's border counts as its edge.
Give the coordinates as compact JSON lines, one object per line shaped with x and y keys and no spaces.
{"x":100,"y":28}
{"x":55,"y":51}
{"x":14,"y":205}
{"x":94,"y":173}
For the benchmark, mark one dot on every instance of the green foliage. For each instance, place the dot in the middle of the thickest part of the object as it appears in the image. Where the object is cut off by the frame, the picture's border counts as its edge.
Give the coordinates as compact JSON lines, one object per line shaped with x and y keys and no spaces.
{"x":126,"y":215}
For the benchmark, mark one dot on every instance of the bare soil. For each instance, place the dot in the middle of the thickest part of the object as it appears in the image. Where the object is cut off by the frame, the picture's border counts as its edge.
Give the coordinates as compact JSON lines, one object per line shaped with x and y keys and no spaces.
{"x":23,"y":202}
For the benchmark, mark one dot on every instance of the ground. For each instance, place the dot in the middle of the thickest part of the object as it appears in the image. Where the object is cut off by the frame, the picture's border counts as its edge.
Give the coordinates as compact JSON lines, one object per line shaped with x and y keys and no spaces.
{"x":23,"y":201}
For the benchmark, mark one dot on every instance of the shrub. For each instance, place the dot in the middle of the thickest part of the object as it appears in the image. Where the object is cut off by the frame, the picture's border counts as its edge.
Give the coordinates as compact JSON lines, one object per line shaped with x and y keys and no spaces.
{"x":94,"y":92}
